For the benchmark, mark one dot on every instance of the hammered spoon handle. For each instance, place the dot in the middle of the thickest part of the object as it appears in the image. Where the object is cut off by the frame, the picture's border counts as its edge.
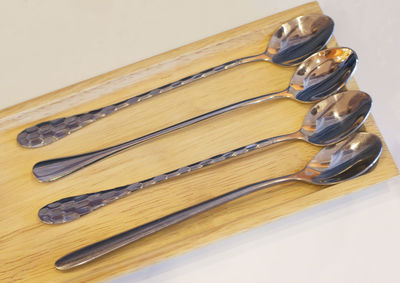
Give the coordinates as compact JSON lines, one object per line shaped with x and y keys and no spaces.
{"x":72,"y":208}
{"x":50,"y":131}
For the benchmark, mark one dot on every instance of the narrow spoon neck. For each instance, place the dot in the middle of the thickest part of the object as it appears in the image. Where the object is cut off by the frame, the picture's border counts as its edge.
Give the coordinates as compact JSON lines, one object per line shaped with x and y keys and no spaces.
{"x":275,"y":95}
{"x":293,"y":136}
{"x":278,"y":139}
{"x":268,"y":183}
{"x":255,"y":58}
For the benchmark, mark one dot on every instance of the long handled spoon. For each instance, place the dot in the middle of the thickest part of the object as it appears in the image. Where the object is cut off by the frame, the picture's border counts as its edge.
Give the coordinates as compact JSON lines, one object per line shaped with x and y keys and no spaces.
{"x":333,"y":164}
{"x":291,"y":43}
{"x":328,"y":122}
{"x":319,"y":76}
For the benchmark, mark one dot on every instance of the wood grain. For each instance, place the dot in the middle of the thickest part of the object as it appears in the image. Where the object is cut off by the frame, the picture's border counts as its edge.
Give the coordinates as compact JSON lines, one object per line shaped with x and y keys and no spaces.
{"x":29,"y":248}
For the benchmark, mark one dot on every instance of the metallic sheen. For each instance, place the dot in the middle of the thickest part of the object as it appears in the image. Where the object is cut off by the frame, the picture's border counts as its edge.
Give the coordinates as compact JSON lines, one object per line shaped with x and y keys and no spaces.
{"x":319,"y":76}
{"x":346,"y":160}
{"x":328,"y":122}
{"x":289,"y":45}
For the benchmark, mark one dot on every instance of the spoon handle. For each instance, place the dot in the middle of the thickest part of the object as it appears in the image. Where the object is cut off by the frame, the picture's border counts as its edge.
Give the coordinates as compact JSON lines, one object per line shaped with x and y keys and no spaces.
{"x":53,"y":169}
{"x":93,"y":251}
{"x":72,"y":208}
{"x":50,"y":131}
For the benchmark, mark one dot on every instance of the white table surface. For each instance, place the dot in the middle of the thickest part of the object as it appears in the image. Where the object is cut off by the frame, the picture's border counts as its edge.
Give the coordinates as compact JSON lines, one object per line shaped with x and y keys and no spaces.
{"x":46,"y":45}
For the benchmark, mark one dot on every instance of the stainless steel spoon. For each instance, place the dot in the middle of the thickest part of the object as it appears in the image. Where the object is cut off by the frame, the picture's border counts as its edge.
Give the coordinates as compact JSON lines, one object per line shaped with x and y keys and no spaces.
{"x":328,"y":122}
{"x":333,"y":164}
{"x":291,"y":43}
{"x":320,"y":75}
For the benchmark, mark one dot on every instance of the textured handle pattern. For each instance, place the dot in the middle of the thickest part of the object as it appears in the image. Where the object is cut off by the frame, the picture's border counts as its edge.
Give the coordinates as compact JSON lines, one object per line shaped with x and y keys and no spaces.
{"x":50,"y":131}
{"x":71,"y":208}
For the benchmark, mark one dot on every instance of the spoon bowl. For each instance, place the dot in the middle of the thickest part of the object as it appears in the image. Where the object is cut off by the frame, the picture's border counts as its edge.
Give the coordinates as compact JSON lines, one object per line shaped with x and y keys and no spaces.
{"x":343,"y":161}
{"x":336,"y":117}
{"x":322,"y":74}
{"x":297,"y":39}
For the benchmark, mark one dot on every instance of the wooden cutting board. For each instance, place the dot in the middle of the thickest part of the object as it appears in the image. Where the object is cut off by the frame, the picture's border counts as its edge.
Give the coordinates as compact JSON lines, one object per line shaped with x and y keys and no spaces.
{"x":29,"y":248}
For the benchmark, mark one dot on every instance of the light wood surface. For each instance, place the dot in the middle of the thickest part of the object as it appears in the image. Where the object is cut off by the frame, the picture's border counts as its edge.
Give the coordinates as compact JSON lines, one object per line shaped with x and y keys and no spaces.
{"x":29,"y":248}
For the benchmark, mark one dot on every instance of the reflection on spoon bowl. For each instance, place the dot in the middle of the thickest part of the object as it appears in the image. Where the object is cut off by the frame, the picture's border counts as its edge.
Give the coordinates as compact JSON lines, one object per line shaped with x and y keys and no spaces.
{"x":335,"y":117}
{"x":343,"y":161}
{"x":322,"y":74}
{"x":297,"y":39}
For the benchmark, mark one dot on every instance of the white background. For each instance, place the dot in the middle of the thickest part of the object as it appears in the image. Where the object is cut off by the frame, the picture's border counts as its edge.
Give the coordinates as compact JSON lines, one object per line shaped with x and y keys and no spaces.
{"x":46,"y":45}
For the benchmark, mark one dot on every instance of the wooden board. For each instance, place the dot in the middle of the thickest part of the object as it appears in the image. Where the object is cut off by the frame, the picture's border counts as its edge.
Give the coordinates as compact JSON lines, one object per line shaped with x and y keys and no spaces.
{"x":29,"y":248}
